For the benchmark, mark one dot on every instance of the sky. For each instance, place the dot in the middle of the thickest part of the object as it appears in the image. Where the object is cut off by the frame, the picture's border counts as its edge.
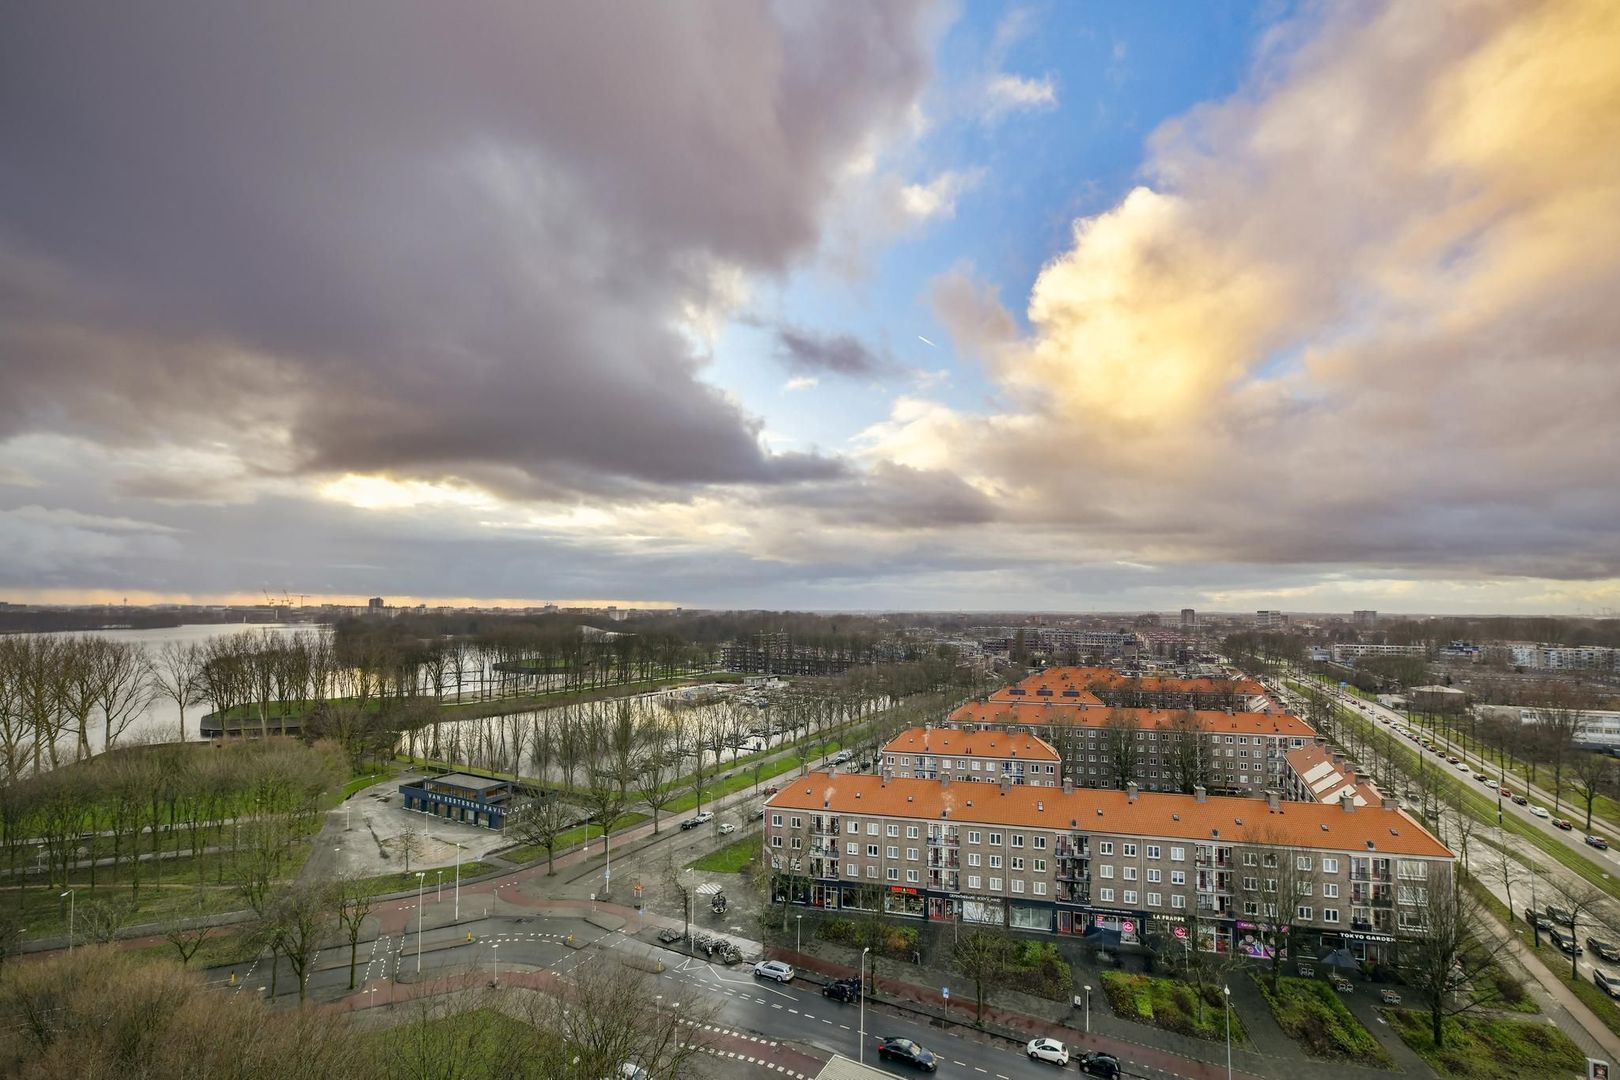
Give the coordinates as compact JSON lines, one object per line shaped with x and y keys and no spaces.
{"x":1079,"y":306}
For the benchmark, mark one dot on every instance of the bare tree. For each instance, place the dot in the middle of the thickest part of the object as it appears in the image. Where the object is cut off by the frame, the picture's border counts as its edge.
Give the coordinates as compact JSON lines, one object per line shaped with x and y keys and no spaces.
{"x":186,"y":933}
{"x":1275,"y":881}
{"x":1594,"y":773}
{"x":354,"y":898}
{"x":123,"y":687}
{"x":984,"y":956}
{"x":1121,"y":751}
{"x":655,"y":774}
{"x":299,"y":923}
{"x":1584,"y":903}
{"x":1446,"y":961}
{"x":409,"y":844}
{"x":1190,"y":753}
{"x":540,"y":823}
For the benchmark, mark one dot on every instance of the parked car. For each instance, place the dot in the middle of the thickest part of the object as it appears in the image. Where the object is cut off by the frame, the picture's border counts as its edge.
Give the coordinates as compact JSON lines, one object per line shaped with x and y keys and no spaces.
{"x":892,"y":1049}
{"x":1537,"y":919}
{"x":1607,"y":981}
{"x":727,"y":827}
{"x":1538,"y":811}
{"x":774,"y":969}
{"x":1560,"y":916}
{"x":845,"y":990}
{"x":1097,"y":1063}
{"x":1606,"y":949}
{"x":1598,"y":842}
{"x":771,"y":789}
{"x":758,"y":814}
{"x":1564,"y":943}
{"x":1047,"y":1050}
{"x":1519,"y":800}
{"x":703,"y":817}
{"x":1563,"y":823}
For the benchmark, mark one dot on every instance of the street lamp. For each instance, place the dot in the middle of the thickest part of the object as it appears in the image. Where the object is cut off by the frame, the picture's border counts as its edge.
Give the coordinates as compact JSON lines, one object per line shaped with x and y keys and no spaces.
{"x":1088,"y":1010}
{"x":346,"y":808}
{"x":458,"y":881}
{"x":497,"y":958}
{"x":798,"y":933}
{"x":421,"y":876}
{"x":440,"y":897}
{"x":70,"y":900}
{"x":1227,"y":990}
{"x":864,"y":951}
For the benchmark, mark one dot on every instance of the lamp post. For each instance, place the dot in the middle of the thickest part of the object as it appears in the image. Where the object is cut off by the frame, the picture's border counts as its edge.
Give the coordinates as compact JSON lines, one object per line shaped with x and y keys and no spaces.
{"x":497,"y":958}
{"x":1227,"y":990}
{"x":346,"y":808}
{"x":458,"y":881}
{"x":798,"y":933}
{"x":864,"y":951}
{"x":70,"y":899}
{"x":421,"y":876}
{"x":1088,"y":1010}
{"x":440,"y":897}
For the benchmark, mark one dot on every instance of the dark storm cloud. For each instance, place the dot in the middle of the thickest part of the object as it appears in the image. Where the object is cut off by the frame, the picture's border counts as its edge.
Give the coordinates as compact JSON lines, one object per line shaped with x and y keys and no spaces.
{"x":419,"y":237}
{"x":806,"y":352}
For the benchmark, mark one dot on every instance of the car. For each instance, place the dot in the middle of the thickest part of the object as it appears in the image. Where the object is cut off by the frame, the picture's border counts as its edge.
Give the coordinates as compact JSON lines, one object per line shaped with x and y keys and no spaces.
{"x":757,"y":815}
{"x":1598,"y":842}
{"x":1607,"y":981}
{"x":1538,"y":811}
{"x":771,"y":789}
{"x":1560,"y":916}
{"x":1047,"y":1050}
{"x":1454,"y":759}
{"x":1564,"y":943}
{"x":1537,"y":919}
{"x":1097,"y":1063}
{"x":840,"y":757}
{"x":1563,"y":823}
{"x":1463,"y":767}
{"x":1606,"y":949}
{"x":893,"y":1049}
{"x":845,"y":990}
{"x":1506,"y":793}
{"x":703,"y":817}
{"x":774,"y":969}
{"x":631,"y":1071}
{"x":727,"y":827}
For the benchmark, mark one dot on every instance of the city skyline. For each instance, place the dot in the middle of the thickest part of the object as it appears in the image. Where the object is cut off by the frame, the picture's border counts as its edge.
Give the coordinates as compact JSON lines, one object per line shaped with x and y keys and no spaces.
{"x":900,"y":307}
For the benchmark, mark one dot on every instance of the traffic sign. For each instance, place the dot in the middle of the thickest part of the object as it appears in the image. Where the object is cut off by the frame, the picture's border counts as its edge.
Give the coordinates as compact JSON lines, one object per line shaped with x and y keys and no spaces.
{"x":947,"y":992}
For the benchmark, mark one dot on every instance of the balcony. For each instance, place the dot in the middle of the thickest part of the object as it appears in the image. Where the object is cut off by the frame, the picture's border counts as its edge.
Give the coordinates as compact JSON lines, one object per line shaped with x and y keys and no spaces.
{"x":1066,"y":895}
{"x":943,"y":860}
{"x":944,"y":841}
{"x":1067,"y":850}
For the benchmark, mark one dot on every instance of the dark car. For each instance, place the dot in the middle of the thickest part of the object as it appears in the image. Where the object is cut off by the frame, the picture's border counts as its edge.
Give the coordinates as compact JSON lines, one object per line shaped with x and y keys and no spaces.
{"x":890,"y":1049}
{"x":845,"y":990}
{"x":1598,"y":842}
{"x":1537,"y":919}
{"x":1097,"y":1063}
{"x":1606,"y":949}
{"x":1560,"y":916}
{"x":1564,"y":943}
{"x":1520,"y":800}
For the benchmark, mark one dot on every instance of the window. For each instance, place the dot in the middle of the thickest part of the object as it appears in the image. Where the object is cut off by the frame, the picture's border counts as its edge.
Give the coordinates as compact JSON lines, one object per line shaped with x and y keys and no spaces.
{"x":1302,"y":862}
{"x":1177,"y":900}
{"x":1129,"y":897}
{"x":1040,"y":843}
{"x":1040,"y":866}
{"x":1330,"y":891}
{"x":871,"y":871}
{"x":995,"y":862}
{"x":1153,"y":851}
{"x":852,"y":848}
{"x":973,"y":836}
{"x":995,"y":839}
{"x":911,"y":875}
{"x":1271,"y":884}
{"x":1303,"y":912}
{"x":1153,"y":875}
{"x":894,"y":830}
{"x":854,"y":828}
{"x":1016,"y":863}
{"x":871,"y":851}
{"x":973,"y":858}
{"x":974,"y":881}
{"x":1105,"y":848}
{"x":1330,"y":865}
{"x":1105,"y":896}
{"x":1271,"y":860}
{"x":1251,"y":907}
{"x":1105,"y":871}
{"x":1130,"y":851}
{"x":911,"y":832}
{"x":1178,"y":854}
{"x":1017,"y":884}
{"x":995,"y":884}
{"x":798,"y":843}
{"x":1250,"y":859}
{"x":1153,"y":900}
{"x":1250,"y":884}
{"x":1040,"y":888}
{"x":776,"y":820}
{"x":1017,"y":839}
{"x":851,"y":870}
{"x":892,"y":852}
{"x":796,"y":822}
{"x":871,"y":828}
{"x":894,"y":873}
{"x":1130,"y":873}
{"x":1330,"y":914}
{"x":911,"y":854}
{"x":1178,"y":877}
{"x":776,"y":841}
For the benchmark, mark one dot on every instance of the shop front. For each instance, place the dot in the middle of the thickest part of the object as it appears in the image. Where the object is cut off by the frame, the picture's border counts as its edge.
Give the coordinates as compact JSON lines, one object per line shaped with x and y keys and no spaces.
{"x":905,"y":900}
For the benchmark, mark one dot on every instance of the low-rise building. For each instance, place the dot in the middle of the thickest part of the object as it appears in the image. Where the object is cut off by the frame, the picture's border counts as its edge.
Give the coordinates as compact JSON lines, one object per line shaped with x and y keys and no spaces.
{"x":1315,"y":773}
{"x":933,"y":753}
{"x":1350,"y":651}
{"x":1128,"y":867}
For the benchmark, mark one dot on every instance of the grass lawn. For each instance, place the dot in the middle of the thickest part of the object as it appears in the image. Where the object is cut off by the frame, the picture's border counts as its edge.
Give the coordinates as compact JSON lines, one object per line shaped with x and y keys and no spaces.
{"x":577,"y":835}
{"x":732,"y":858}
{"x":1170,"y":1004}
{"x":1490,"y":1048}
{"x":360,"y":783}
{"x":481,"y":1042}
{"x":227,"y":945}
{"x":402,"y":881}
{"x":743,"y":779}
{"x":1311,"y":1012}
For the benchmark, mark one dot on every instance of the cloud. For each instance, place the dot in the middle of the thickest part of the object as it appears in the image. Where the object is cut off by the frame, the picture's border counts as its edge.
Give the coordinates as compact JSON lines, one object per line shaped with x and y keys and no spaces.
{"x":801,"y":382}
{"x":394,"y":239}
{"x":1004,"y":93}
{"x":809,"y":352}
{"x":1357,"y":315}
{"x":937,"y":198}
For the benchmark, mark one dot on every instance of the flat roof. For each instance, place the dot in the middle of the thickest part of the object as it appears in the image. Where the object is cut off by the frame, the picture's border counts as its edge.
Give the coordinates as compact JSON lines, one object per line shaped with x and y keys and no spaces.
{"x":466,"y":780}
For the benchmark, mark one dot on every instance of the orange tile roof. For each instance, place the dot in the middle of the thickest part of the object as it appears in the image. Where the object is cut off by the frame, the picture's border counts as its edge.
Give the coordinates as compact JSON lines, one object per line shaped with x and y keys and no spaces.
{"x":1221,"y":819}
{"x":1085,"y":678}
{"x":1324,"y":778}
{"x":1216,"y":721}
{"x":995,"y":744}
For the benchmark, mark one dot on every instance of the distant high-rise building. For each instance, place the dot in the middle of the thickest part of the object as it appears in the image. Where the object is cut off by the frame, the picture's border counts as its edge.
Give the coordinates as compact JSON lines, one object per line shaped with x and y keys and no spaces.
{"x":1189,"y":619}
{"x":375,"y":603}
{"x":1367,"y":619}
{"x":1269,"y":620}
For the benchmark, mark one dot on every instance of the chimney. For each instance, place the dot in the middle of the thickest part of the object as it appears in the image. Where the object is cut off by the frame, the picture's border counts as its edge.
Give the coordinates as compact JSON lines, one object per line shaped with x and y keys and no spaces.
{"x":1131,"y":791}
{"x":1200,"y":793}
{"x":1347,"y":802}
{"x":1006,"y":785}
{"x":1273,"y":801}
{"x":1389,"y":803}
{"x":887,"y":774}
{"x":1068,"y":785}
{"x":944,"y":780}
{"x":1321,"y":740}
{"x":1349,"y":776}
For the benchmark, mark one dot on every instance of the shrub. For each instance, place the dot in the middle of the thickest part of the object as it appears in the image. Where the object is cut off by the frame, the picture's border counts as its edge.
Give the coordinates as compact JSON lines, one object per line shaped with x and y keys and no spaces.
{"x":1170,"y":1005}
{"x":1311,"y":1012}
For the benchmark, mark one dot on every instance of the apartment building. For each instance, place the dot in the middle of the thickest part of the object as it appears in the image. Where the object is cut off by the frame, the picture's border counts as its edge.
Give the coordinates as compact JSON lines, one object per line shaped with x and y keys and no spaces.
{"x":1228,"y":752}
{"x":1094,"y":685}
{"x":933,"y":753}
{"x":1315,"y":773}
{"x":1123,"y":867}
{"x":1526,"y":654}
{"x":1270,"y":620}
{"x":1343,"y":651}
